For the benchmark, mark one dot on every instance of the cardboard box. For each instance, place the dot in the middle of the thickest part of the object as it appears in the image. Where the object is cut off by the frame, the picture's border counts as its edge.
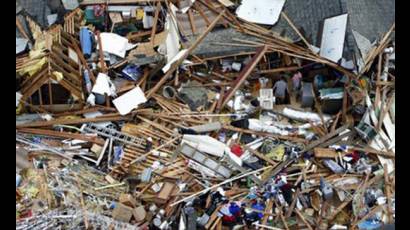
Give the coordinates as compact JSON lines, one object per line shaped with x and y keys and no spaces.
{"x":165,"y":192}
{"x":122,"y":213}
{"x":139,"y":213}
{"x":128,"y":200}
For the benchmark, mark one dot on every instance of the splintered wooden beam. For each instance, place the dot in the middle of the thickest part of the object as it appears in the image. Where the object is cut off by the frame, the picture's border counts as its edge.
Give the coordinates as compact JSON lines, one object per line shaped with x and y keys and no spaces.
{"x":201,"y":12}
{"x":192,"y":21}
{"x":177,"y":63}
{"x":295,"y":29}
{"x":243,"y":75}
{"x":21,"y":29}
{"x":53,"y":133}
{"x":73,"y":121}
{"x":116,"y":2}
{"x":268,"y":210}
{"x":101,"y":53}
{"x":154,"y":25}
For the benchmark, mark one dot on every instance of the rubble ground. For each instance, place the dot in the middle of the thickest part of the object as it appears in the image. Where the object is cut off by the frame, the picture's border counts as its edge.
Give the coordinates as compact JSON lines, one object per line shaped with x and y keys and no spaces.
{"x":206,"y":114}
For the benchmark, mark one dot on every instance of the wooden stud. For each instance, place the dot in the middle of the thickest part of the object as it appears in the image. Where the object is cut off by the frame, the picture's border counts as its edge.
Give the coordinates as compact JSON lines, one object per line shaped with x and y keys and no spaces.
{"x":154,"y":26}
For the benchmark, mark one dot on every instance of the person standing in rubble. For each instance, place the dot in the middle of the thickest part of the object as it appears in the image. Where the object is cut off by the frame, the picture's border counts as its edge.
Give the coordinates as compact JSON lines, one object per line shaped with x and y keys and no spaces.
{"x":296,"y":79}
{"x":296,"y":83}
{"x":280,"y":89}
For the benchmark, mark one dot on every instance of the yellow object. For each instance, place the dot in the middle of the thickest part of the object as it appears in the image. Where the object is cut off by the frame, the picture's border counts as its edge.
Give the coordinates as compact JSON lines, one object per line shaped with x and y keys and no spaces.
{"x":36,"y":54}
{"x":19,"y":108}
{"x":363,"y":83}
{"x":277,"y":153}
{"x":59,"y":76}
{"x":75,"y":97}
{"x":31,"y":191}
{"x":38,"y":49}
{"x":70,"y":117}
{"x":33,"y":68}
{"x":140,"y":14}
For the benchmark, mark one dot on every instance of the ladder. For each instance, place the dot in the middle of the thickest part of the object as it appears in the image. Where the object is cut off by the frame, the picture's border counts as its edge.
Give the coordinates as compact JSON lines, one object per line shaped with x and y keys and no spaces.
{"x":202,"y":158}
{"x":113,"y":134}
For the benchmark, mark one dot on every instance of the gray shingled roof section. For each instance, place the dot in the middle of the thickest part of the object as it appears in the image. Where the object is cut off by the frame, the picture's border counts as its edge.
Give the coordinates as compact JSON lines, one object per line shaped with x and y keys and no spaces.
{"x":371,"y":18}
{"x":308,"y":15}
{"x":38,"y":9}
{"x":208,"y":48}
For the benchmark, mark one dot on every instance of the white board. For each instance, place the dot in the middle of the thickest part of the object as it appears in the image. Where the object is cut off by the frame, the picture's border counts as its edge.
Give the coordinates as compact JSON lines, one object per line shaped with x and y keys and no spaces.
{"x":333,"y":37}
{"x":260,"y":11}
{"x":129,"y":101}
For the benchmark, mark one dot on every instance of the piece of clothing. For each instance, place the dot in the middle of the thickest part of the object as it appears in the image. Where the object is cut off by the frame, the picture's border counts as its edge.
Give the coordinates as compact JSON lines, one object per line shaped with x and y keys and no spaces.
{"x":280,"y":100}
{"x":280,"y":88}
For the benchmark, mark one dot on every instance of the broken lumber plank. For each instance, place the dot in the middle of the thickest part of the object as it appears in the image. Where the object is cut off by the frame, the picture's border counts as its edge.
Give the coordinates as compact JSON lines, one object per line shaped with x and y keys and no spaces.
{"x":325,"y":153}
{"x":101,"y":53}
{"x":73,"y":121}
{"x":116,"y":2}
{"x":260,"y":52}
{"x":192,"y":21}
{"x":53,"y":133}
{"x":154,"y":25}
{"x":175,"y":65}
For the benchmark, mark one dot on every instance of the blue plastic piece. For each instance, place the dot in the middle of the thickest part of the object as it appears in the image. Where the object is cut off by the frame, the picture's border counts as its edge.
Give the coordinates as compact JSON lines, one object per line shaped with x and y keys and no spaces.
{"x":260,"y":207}
{"x":132,"y":72}
{"x":117,"y":153}
{"x":234,"y":209}
{"x":369,"y":225}
{"x":86,"y":41}
{"x":18,"y":180}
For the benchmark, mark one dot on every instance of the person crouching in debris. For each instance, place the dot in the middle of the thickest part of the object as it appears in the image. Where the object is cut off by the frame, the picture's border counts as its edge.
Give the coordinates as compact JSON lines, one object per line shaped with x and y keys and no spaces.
{"x":280,"y":89}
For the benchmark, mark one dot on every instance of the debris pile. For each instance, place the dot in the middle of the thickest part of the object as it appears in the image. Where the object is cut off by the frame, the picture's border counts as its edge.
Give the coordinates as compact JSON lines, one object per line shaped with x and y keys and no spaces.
{"x":187,"y":114}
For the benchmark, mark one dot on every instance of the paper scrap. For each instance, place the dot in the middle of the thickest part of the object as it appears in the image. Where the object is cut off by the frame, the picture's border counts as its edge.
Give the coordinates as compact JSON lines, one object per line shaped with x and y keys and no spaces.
{"x":226,"y":3}
{"x":51,"y":19}
{"x":18,"y":97}
{"x":70,"y":4}
{"x":333,"y":37}
{"x":21,"y":44}
{"x":115,"y":44}
{"x":261,"y":11}
{"x":186,"y":8}
{"x":103,"y":85}
{"x":174,"y":59}
{"x":172,"y":42}
{"x":97,"y":114}
{"x":115,"y":17}
{"x":129,"y":100}
{"x":73,"y":55}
